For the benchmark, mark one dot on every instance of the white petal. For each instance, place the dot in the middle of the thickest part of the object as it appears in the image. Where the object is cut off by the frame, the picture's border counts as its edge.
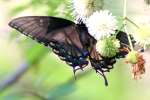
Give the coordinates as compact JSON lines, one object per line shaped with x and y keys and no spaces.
{"x":101,"y":24}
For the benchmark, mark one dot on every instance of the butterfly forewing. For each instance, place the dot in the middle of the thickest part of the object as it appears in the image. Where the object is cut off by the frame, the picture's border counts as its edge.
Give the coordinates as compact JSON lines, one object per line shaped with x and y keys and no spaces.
{"x":38,"y":27}
{"x":60,"y":34}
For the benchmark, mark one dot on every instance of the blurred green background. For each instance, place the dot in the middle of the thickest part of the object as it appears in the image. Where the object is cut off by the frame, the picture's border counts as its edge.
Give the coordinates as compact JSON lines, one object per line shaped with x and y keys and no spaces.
{"x":45,"y":76}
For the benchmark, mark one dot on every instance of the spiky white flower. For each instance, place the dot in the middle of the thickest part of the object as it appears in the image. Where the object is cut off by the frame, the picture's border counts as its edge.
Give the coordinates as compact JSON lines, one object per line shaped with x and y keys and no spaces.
{"x":84,"y":8}
{"x":101,"y":24}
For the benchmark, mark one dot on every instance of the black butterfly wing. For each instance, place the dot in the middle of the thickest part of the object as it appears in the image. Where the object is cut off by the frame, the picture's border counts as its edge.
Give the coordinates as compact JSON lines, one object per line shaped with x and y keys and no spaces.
{"x":39,"y":27}
{"x":60,"y":34}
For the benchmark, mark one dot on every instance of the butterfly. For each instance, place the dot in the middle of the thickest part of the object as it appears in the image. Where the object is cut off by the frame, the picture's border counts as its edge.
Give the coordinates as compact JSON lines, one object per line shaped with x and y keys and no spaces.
{"x":70,"y":41}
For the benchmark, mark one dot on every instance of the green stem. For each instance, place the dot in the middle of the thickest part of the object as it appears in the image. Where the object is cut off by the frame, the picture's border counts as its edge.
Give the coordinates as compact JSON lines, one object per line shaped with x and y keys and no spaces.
{"x":132,"y":22}
{"x":122,"y":26}
{"x":125,"y":24}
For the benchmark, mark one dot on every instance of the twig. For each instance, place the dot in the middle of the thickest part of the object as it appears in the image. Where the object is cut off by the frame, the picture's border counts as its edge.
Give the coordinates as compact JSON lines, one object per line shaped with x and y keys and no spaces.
{"x":125,"y":23}
{"x":36,"y":94}
{"x":15,"y":77}
{"x":129,"y":20}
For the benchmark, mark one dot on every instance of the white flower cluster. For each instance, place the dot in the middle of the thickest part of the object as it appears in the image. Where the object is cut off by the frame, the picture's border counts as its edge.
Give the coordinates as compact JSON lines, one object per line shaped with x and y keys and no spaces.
{"x":100,"y":23}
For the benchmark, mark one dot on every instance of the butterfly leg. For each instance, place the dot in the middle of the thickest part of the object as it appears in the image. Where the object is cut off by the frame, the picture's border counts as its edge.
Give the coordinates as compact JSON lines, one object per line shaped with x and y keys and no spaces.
{"x":102,"y":66}
{"x":74,"y":71}
{"x":102,"y":74}
{"x":79,"y":65}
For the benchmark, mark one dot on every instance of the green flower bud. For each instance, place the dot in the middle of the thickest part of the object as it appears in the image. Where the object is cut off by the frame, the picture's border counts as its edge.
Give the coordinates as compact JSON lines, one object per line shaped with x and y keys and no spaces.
{"x":108,"y":47}
{"x":132,"y":57}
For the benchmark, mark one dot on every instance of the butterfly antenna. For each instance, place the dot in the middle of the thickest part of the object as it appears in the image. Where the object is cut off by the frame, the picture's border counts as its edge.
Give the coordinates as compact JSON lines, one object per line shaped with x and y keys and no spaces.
{"x":74,"y":71}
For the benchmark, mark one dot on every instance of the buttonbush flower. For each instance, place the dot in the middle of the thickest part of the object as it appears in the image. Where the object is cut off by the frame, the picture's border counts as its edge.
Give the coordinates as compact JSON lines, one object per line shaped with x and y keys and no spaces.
{"x":143,"y":35}
{"x":84,"y":8}
{"x":101,"y":24}
{"x":108,"y":47}
{"x":138,"y":62}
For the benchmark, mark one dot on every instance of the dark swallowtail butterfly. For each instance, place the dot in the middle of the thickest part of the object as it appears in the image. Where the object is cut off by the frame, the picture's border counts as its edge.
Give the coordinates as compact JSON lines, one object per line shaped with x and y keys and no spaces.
{"x":70,"y":41}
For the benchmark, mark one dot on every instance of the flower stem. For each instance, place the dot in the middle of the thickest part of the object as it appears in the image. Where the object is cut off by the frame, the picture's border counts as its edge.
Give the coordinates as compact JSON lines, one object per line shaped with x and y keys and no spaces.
{"x":129,"y":20}
{"x":125,"y":24}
